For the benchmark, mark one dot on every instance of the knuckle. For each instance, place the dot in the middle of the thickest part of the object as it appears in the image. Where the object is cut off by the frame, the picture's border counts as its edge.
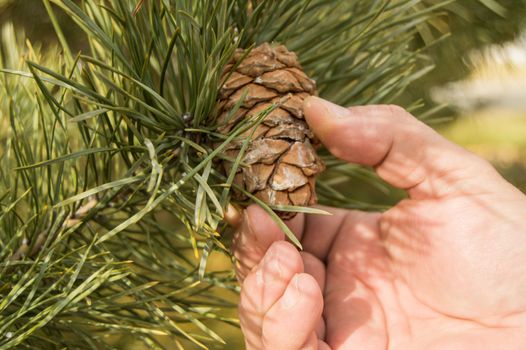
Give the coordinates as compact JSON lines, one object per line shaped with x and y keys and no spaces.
{"x":395,"y":110}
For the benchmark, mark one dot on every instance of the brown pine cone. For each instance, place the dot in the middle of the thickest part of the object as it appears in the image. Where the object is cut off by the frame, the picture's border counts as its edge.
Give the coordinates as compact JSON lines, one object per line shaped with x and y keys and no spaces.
{"x":281,"y":161}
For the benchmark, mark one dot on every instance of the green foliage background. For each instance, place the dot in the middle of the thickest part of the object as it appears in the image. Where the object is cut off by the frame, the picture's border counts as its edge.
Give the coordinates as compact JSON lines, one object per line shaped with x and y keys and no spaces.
{"x":111,"y":204}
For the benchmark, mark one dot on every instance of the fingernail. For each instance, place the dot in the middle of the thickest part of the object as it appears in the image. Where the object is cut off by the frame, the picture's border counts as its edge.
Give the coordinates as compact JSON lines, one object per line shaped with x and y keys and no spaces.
{"x":270,"y":269}
{"x":292,"y":295}
{"x":307,"y":103}
{"x":233,"y":216}
{"x":335,"y":110}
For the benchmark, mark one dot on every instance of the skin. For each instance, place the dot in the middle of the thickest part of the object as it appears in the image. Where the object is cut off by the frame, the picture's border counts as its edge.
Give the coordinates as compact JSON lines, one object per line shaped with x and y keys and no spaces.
{"x":443,"y":269}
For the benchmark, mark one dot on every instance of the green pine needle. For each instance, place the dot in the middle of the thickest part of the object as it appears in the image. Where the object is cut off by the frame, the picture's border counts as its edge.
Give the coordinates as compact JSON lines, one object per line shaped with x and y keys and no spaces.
{"x":111,"y":201}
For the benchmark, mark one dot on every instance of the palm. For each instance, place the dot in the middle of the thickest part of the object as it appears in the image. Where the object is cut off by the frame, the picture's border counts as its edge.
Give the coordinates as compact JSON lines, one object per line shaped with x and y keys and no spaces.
{"x":403,"y":289}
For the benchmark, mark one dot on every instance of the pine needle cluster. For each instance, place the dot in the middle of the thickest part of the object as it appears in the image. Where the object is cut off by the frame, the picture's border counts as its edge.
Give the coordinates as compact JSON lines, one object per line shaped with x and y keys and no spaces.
{"x":111,"y":197}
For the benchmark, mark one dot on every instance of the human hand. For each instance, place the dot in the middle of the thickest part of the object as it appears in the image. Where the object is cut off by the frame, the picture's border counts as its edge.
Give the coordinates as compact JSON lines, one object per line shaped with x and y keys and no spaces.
{"x":443,"y":269}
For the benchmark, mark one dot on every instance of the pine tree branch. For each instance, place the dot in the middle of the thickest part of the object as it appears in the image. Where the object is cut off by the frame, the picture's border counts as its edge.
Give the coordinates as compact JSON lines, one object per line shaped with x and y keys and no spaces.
{"x":71,"y":220}
{"x":133,"y":121}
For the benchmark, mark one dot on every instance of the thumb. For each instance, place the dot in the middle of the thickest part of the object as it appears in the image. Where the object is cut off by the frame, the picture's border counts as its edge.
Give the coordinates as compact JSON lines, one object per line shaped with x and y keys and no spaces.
{"x":404,"y":151}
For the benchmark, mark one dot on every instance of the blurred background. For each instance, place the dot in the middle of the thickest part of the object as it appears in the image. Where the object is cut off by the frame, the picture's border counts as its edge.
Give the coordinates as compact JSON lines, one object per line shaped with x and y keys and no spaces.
{"x":480,"y":77}
{"x":477,"y":90}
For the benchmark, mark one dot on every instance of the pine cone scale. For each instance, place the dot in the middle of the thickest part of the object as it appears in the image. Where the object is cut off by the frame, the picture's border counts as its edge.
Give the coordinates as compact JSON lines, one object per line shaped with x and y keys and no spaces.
{"x":280,"y":164}
{"x":266,"y":151}
{"x":235,"y":82}
{"x":287,"y":178}
{"x":301,"y":195}
{"x":254,"y":94}
{"x":293,"y":104}
{"x":280,"y":80}
{"x":299,"y":155}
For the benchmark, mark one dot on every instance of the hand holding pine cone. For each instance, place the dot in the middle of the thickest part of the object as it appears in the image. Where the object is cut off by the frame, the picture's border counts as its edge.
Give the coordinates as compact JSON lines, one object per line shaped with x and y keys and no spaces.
{"x":282,"y":163}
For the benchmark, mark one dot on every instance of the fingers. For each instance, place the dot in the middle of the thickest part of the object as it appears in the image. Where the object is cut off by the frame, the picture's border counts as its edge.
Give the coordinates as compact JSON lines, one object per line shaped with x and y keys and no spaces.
{"x":258,"y":231}
{"x":405,"y":152}
{"x":323,"y":345}
{"x":291,"y":321}
{"x":319,"y":231}
{"x":277,"y":296}
{"x":251,"y":241}
{"x":313,"y":343}
{"x":264,"y":286}
{"x":314,"y":267}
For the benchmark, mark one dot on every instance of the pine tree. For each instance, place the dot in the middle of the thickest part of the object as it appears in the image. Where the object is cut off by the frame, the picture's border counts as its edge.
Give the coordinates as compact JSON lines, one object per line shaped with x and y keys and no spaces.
{"x":111,"y":184}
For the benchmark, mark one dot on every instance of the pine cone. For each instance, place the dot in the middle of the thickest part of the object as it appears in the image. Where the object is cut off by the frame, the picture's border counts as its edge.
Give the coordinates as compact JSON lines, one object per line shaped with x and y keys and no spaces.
{"x":281,"y":160}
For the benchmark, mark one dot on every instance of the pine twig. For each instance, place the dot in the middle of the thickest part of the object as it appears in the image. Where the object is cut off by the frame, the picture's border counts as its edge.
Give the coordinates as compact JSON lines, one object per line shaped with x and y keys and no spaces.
{"x":71,"y":221}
